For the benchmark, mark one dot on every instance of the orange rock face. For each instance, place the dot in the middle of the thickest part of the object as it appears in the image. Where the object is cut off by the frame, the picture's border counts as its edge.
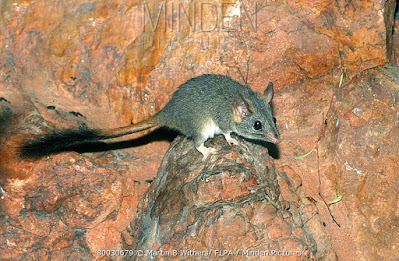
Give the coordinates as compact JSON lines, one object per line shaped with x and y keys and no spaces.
{"x":108,"y":63}
{"x":366,"y":170}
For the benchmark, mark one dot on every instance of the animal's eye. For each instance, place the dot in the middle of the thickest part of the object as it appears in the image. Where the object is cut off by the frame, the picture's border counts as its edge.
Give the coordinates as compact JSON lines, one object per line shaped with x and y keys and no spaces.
{"x":257,"y":125}
{"x":275,"y":120}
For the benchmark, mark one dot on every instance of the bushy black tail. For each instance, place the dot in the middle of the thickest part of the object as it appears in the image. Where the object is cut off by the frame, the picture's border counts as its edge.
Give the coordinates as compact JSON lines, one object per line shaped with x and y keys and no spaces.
{"x":62,"y":140}
{"x":58,"y":141}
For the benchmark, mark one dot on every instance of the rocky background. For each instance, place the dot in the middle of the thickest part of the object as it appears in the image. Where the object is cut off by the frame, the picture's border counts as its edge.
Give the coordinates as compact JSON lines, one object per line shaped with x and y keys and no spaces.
{"x":65,"y":64}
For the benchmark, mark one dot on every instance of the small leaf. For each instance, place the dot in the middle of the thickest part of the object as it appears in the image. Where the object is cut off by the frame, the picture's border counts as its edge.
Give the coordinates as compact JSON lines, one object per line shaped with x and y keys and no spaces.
{"x":341,"y":79}
{"x":304,"y":156}
{"x":336,"y":200}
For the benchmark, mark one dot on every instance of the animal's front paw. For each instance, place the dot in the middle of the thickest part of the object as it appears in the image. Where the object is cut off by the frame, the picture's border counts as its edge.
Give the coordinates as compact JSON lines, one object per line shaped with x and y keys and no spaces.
{"x":206,"y":151}
{"x":230,"y":140}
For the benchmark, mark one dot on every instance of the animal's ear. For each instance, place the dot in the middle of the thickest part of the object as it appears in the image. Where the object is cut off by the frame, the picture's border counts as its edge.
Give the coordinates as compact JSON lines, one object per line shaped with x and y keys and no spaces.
{"x":269,"y":92}
{"x":240,"y":108}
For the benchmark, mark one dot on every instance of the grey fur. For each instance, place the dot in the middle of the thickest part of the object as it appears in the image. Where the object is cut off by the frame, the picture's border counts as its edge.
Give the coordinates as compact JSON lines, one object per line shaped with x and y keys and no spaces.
{"x":202,"y":107}
{"x":210,"y":97}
